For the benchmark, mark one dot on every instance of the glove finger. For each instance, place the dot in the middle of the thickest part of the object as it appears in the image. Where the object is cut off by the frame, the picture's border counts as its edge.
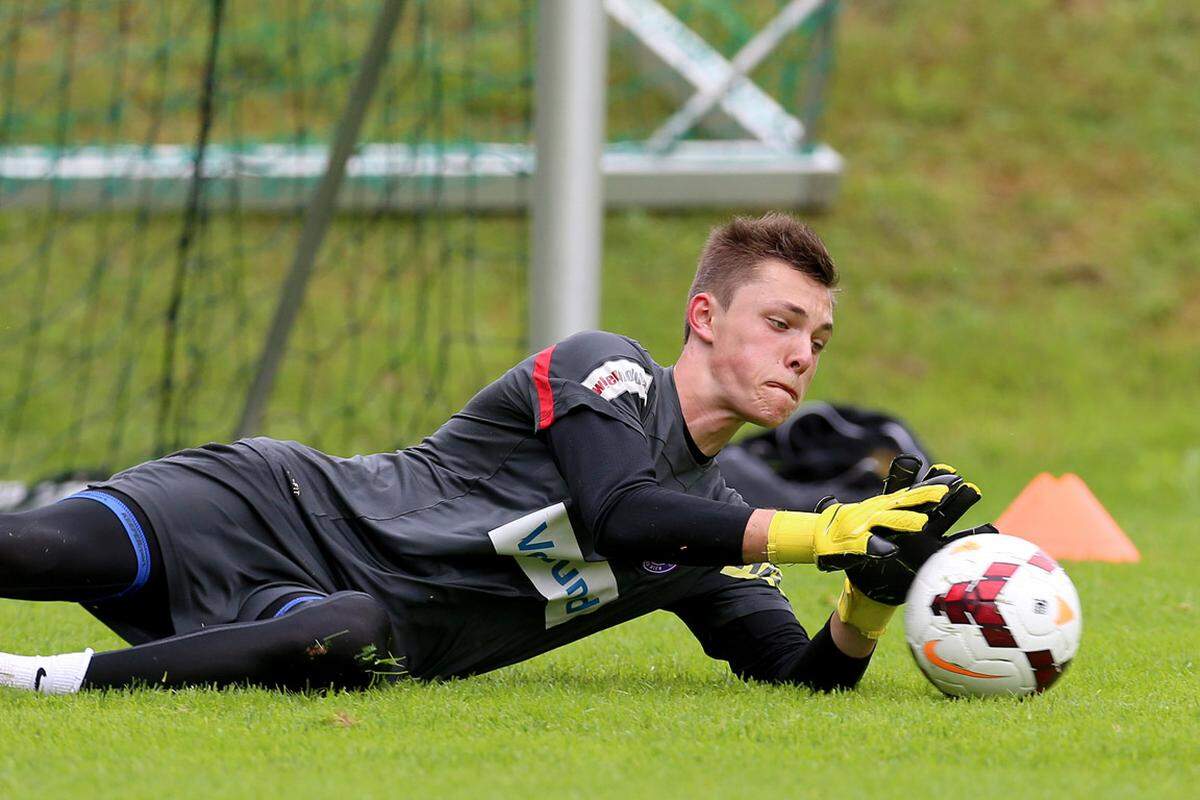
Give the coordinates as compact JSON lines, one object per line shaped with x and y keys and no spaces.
{"x":948,"y":479}
{"x":838,"y":561}
{"x":937,"y":470}
{"x":986,"y":527}
{"x":902,"y":473}
{"x":951,"y":509}
{"x":898,"y":522}
{"x":824,"y":503}
{"x":878,"y":547}
{"x":924,"y":492}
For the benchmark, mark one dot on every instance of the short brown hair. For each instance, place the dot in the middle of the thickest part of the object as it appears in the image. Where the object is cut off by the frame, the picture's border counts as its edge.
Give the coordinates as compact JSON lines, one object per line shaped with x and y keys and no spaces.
{"x":734,"y":251}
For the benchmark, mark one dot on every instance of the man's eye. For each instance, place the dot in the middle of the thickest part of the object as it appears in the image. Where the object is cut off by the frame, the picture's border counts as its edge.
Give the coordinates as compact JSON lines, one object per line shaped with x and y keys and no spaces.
{"x":778,"y":324}
{"x":818,"y":346}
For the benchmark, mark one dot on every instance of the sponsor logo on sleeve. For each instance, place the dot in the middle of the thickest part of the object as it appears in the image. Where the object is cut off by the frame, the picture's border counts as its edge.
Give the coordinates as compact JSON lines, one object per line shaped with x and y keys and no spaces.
{"x":615,"y":378}
{"x":547,"y":551}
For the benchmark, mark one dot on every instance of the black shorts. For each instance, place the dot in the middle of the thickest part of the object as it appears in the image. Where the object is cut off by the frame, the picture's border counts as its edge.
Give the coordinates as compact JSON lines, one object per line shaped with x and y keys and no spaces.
{"x":141,"y":612}
{"x":233,"y":541}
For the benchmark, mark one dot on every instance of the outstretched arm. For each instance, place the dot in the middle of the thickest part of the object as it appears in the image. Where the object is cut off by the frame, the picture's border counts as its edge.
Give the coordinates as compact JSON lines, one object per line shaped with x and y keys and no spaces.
{"x":607,"y":468}
{"x":586,"y":396}
{"x":768,"y":644}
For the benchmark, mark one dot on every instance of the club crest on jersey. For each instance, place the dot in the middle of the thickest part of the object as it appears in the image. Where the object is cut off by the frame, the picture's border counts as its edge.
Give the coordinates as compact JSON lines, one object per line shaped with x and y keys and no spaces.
{"x":615,"y":378}
{"x":547,"y":550}
{"x":658,"y":567}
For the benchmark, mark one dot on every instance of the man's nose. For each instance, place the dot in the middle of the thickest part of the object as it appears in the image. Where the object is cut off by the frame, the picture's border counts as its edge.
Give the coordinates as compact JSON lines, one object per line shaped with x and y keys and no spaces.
{"x":799,"y":361}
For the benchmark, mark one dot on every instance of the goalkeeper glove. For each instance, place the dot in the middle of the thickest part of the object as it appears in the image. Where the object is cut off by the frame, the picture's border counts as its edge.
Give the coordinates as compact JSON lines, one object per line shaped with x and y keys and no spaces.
{"x":873,"y":589}
{"x":844,"y":534}
{"x":888,"y":581}
{"x":867,"y":616}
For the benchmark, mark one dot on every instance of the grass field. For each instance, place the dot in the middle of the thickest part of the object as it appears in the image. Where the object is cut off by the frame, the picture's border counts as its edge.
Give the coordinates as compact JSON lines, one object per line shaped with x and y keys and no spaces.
{"x":1021,"y":251}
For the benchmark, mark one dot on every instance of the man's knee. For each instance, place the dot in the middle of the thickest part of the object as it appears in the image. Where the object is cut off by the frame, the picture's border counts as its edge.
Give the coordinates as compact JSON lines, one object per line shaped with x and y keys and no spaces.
{"x":345,"y":639}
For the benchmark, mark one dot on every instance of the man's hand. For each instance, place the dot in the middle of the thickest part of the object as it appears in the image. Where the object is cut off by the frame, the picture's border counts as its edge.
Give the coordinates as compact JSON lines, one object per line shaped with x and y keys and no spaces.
{"x":845,"y":534}
{"x":887,"y":581}
{"x":873,"y":589}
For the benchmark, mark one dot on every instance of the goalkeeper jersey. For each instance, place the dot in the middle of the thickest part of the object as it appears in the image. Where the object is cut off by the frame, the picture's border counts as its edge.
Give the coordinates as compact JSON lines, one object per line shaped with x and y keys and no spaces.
{"x":470,"y":538}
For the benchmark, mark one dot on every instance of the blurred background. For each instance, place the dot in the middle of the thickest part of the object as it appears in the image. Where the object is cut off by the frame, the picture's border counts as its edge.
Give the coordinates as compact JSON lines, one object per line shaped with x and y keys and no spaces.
{"x":1010,"y":190}
{"x":1012,"y":193}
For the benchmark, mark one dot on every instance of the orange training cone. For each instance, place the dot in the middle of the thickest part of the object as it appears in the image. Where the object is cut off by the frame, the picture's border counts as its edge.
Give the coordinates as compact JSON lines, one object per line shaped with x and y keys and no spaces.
{"x":1065,"y":519}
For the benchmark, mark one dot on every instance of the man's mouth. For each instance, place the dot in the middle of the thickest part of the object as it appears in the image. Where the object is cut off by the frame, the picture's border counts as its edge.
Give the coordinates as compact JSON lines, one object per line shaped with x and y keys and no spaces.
{"x":791,"y":392}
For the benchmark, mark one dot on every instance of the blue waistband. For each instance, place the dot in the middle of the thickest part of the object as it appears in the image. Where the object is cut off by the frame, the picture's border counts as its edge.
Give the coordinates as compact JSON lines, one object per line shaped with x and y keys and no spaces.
{"x":137,"y":537}
{"x":295,"y":601}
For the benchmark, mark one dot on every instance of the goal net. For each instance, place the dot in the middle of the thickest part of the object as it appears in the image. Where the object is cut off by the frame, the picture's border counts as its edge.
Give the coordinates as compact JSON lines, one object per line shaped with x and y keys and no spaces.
{"x":155,"y":163}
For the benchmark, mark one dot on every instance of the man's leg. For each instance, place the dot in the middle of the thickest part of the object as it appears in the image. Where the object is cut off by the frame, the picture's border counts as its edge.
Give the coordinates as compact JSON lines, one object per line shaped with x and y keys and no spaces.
{"x":79,"y":550}
{"x":339,"y":641}
{"x":96,"y":547}
{"x":90,"y":547}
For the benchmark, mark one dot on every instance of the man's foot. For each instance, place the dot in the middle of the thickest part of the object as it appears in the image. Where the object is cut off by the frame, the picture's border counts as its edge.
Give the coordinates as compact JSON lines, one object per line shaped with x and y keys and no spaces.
{"x":61,"y":674}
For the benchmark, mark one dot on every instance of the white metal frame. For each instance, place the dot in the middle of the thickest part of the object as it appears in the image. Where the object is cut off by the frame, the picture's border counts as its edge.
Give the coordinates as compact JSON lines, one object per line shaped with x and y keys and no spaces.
{"x":769,"y":166}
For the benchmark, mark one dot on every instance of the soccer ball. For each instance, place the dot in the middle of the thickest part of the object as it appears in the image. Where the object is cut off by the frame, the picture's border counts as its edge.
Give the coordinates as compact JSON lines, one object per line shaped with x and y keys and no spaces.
{"x":992,"y":614}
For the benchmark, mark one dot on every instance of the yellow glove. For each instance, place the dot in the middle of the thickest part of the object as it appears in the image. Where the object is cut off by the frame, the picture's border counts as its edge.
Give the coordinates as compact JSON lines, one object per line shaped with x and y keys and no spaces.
{"x":887,"y":580}
{"x":843,"y":534}
{"x":868,"y":617}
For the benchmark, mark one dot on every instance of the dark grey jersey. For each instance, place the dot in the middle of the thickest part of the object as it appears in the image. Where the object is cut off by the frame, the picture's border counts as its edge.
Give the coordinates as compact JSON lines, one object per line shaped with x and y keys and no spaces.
{"x":470,"y":538}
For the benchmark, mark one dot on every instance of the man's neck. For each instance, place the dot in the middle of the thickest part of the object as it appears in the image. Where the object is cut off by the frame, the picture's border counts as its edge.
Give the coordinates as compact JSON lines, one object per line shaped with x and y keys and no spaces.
{"x":708,"y":421}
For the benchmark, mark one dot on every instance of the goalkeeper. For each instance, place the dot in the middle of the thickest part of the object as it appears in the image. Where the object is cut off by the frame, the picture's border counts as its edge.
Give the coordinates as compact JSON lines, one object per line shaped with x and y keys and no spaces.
{"x":575,"y":492}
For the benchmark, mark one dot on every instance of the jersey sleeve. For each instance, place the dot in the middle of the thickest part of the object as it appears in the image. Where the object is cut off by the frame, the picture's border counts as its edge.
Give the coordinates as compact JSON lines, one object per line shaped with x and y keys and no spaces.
{"x":739,"y":616}
{"x":608,"y":470}
{"x":605,"y":372}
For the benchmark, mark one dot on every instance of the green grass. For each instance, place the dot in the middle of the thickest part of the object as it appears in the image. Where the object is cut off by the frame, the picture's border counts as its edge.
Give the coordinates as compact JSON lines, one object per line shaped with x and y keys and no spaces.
{"x":1020,"y":248}
{"x":639,"y":710}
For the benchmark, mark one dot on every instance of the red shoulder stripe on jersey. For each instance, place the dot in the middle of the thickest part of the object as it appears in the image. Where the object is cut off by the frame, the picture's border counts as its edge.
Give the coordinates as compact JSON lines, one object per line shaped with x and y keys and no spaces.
{"x":541,"y":381}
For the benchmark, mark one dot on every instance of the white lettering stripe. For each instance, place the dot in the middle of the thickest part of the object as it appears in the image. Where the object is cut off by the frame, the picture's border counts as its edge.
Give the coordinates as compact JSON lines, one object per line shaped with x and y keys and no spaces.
{"x":614,"y":378}
{"x":547,"y":550}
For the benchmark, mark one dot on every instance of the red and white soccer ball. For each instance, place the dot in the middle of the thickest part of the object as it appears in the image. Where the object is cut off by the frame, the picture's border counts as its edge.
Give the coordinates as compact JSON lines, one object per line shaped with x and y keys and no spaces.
{"x":992,"y":614}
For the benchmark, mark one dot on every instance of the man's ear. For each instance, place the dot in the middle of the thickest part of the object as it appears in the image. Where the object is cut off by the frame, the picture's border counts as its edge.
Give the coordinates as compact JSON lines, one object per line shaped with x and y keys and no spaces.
{"x":701,"y":311}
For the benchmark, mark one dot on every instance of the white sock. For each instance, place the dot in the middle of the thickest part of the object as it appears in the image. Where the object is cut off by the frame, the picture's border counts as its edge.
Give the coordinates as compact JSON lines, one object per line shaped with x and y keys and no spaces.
{"x":62,"y":674}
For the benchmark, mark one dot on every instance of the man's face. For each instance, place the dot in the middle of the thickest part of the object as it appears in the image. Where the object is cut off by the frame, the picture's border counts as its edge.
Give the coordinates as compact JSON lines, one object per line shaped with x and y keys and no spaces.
{"x":766,"y":345}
